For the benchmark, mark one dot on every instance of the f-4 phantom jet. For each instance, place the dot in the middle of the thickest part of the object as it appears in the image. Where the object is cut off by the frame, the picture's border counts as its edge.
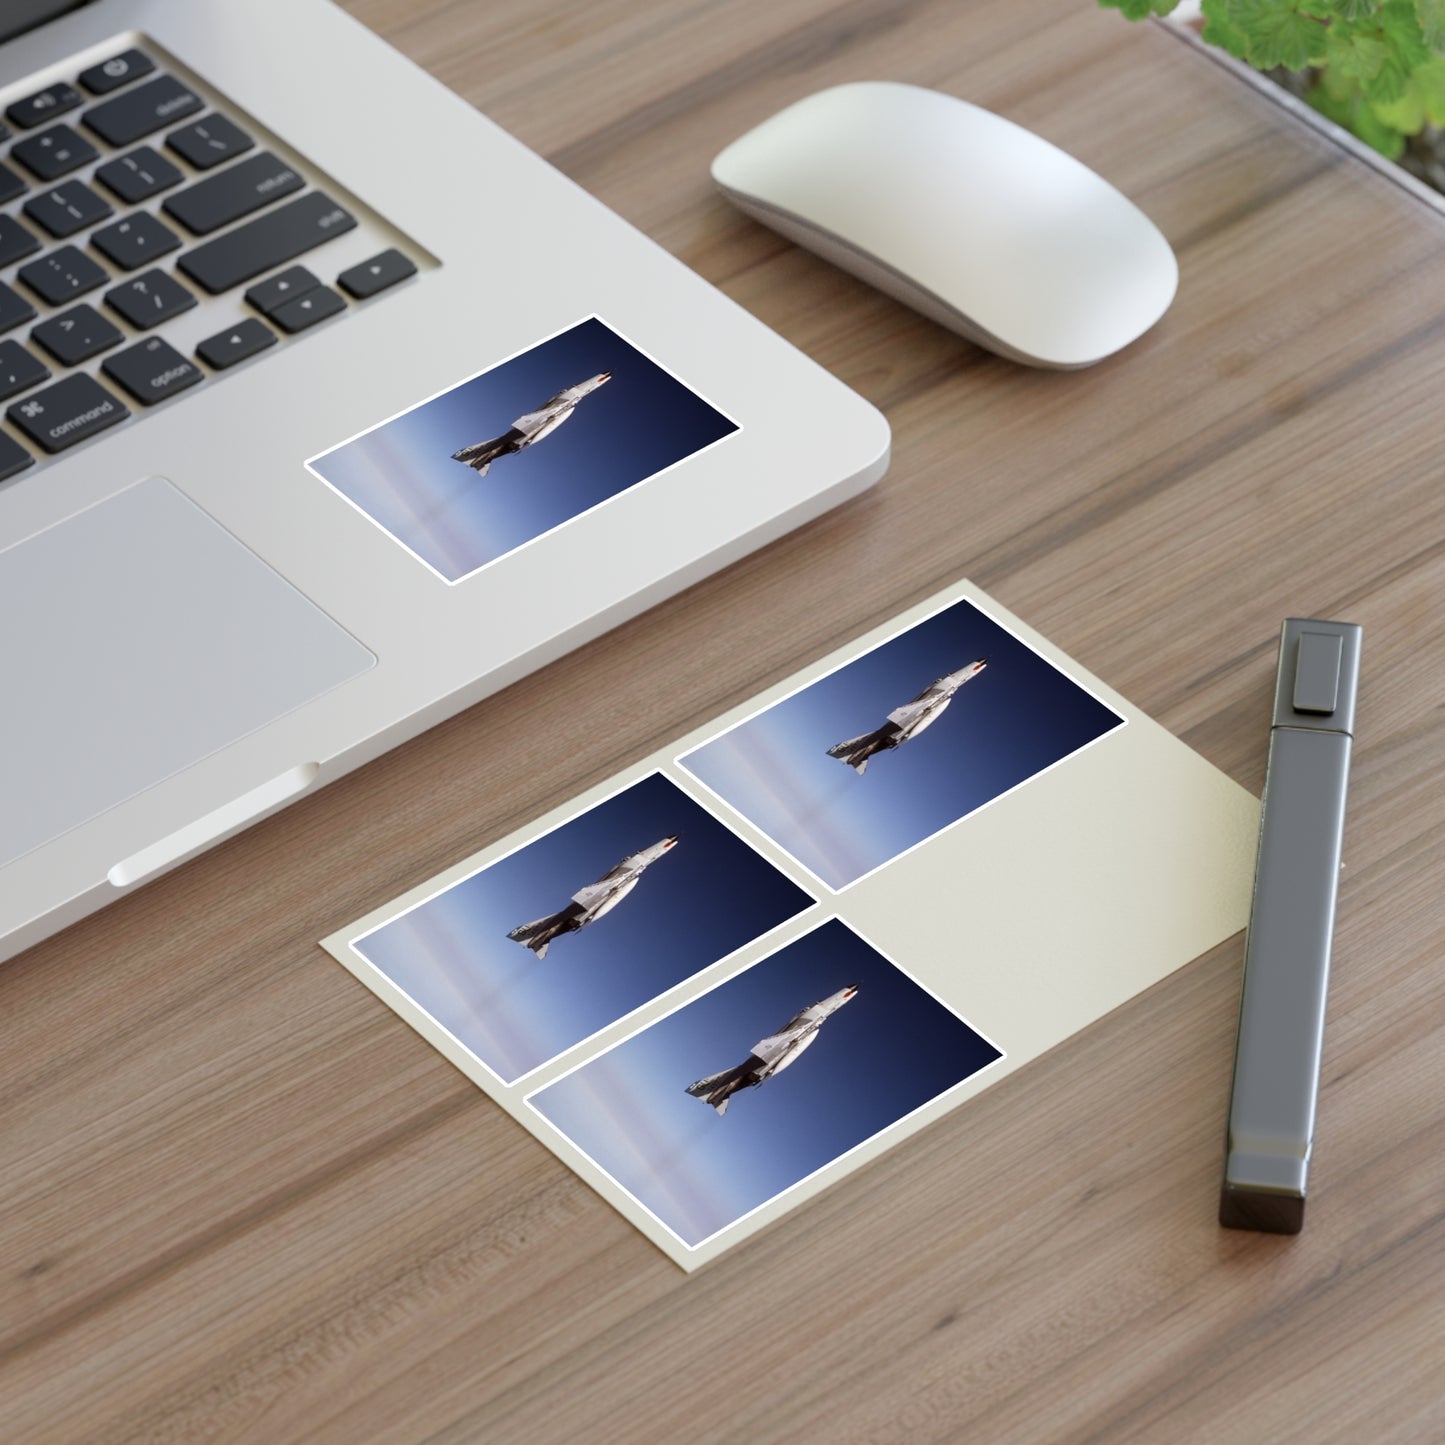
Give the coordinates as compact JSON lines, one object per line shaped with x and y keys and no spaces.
{"x":772,"y":1054}
{"x":907,"y":721}
{"x":590,"y":903}
{"x":529,"y":428}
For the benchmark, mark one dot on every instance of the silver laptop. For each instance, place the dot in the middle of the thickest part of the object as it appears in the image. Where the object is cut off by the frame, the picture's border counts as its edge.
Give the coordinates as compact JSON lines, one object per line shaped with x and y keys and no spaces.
{"x":326,"y":410}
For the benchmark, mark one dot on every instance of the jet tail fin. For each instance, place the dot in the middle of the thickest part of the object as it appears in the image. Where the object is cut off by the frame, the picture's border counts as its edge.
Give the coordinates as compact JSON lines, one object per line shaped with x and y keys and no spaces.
{"x":848,"y":752}
{"x":717,"y":1089}
{"x":536,"y":935}
{"x":479,"y":456}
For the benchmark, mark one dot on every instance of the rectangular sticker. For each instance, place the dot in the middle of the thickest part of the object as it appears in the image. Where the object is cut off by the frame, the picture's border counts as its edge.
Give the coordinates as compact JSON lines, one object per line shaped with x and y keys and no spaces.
{"x":874,"y":758}
{"x":564,"y":936}
{"x":516,"y":451}
{"x":717,"y":1109}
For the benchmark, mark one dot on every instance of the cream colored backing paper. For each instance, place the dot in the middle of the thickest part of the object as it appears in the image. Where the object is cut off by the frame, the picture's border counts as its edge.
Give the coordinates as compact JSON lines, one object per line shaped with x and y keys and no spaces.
{"x":1081,"y":888}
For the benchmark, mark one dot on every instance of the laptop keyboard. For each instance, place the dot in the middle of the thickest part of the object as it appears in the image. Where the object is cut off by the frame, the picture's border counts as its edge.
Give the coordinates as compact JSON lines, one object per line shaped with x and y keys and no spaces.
{"x":128,"y":201}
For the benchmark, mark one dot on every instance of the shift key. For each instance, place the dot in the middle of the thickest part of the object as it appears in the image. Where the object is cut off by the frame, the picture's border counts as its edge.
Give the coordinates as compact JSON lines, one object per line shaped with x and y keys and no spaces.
{"x":266,"y":242}
{"x":235,"y":192}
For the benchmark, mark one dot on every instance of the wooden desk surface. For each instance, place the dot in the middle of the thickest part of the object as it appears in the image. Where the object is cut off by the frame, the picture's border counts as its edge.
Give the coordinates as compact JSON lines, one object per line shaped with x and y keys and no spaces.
{"x":240,"y":1200}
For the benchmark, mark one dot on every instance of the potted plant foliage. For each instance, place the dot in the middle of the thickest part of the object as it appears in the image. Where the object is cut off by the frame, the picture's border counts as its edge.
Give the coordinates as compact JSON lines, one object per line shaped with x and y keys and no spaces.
{"x":1374,"y":67}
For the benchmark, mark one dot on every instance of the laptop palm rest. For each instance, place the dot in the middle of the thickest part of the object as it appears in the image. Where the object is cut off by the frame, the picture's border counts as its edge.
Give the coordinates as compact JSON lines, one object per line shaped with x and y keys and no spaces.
{"x":139,"y":637}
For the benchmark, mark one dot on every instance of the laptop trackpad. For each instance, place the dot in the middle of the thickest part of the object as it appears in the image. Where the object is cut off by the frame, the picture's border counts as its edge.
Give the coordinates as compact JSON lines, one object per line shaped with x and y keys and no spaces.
{"x":136,"y":639}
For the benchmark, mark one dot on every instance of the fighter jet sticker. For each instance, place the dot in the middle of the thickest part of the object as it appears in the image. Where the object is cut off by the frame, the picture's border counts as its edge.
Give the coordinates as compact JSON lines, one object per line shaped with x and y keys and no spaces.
{"x":771,"y":1055}
{"x":531,"y":427}
{"x":907,"y":721}
{"x":614,"y":419}
{"x":590,"y":903}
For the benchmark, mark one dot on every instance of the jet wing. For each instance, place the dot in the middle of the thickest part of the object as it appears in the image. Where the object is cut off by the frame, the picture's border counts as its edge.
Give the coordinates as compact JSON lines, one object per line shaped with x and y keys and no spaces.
{"x":553,"y":423}
{"x":533,"y":422}
{"x":602,"y":889}
{"x":801,"y":1024}
{"x":904,"y":717}
{"x":789,"y":1051}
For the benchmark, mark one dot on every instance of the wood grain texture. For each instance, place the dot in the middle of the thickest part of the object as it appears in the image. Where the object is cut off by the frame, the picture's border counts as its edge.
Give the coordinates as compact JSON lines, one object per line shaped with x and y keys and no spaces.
{"x":240,"y":1200}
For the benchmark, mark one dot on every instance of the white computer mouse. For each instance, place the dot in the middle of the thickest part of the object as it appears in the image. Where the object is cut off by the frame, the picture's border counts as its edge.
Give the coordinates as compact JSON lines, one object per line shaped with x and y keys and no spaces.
{"x":973,"y":220}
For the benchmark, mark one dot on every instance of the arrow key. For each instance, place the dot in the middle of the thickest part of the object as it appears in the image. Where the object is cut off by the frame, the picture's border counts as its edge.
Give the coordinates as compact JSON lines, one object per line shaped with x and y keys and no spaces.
{"x":376,"y":274}
{"x":235,"y":343}
{"x":307,"y":310}
{"x":276,"y":290}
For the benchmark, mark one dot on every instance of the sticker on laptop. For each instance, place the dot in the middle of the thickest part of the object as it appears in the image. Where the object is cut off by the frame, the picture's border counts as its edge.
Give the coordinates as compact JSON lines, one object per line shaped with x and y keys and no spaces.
{"x":577,"y":928}
{"x":521,"y":449}
{"x":713,"y":1111}
{"x":888,"y":750}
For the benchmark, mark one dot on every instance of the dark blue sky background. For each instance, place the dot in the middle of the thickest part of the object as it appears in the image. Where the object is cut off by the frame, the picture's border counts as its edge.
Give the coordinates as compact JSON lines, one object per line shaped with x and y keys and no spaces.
{"x":1018,"y":716}
{"x":696,"y":904}
{"x":402,"y":473}
{"x":885,"y":1053}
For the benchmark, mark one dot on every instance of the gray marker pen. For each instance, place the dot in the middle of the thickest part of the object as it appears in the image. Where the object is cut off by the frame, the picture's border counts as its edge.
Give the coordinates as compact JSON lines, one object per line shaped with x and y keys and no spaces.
{"x":1291,"y":924}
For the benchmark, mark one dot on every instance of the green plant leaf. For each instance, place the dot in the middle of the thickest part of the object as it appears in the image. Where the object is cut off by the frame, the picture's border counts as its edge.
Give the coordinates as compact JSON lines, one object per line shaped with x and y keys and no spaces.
{"x":1401,"y":29}
{"x":1220,"y":30}
{"x":1275,"y":33}
{"x":1377,"y":134}
{"x":1428,"y":81}
{"x":1357,"y":9}
{"x":1339,"y":86}
{"x":1336,"y":108}
{"x":1139,"y":9}
{"x":1431,"y":17}
{"x":1406,"y":115}
{"x":1356,"y":56}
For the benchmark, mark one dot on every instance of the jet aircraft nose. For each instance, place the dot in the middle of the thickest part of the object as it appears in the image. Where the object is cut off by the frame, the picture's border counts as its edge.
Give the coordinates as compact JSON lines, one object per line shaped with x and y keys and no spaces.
{"x":606,"y":376}
{"x":672,"y":841}
{"x":850,"y":991}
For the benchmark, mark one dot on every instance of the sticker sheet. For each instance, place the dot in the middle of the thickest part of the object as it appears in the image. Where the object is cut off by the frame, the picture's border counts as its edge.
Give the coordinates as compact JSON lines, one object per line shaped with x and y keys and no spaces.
{"x":751,"y":962}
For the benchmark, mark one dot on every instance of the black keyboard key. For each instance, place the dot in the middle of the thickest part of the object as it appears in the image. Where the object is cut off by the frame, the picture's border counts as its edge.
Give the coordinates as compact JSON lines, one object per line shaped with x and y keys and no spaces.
{"x":15,"y":241}
{"x":206,"y":143}
{"x":139,"y":175}
{"x":77,"y":335}
{"x":119,"y":70}
{"x":19,"y":369}
{"x":307,"y":310}
{"x":376,"y":274}
{"x":266,"y":242}
{"x":13,"y":457}
{"x":235,"y":192}
{"x":10,"y":185}
{"x":152,"y":370}
{"x":135,"y":241}
{"x":149,"y":299}
{"x":62,"y":275}
{"x":140,"y":111}
{"x":236,"y":343}
{"x":53,"y":153}
{"x":285,"y":286}
{"x":70,"y":207}
{"x":44,"y":105}
{"x":14,"y":308}
{"x":75,"y":408}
